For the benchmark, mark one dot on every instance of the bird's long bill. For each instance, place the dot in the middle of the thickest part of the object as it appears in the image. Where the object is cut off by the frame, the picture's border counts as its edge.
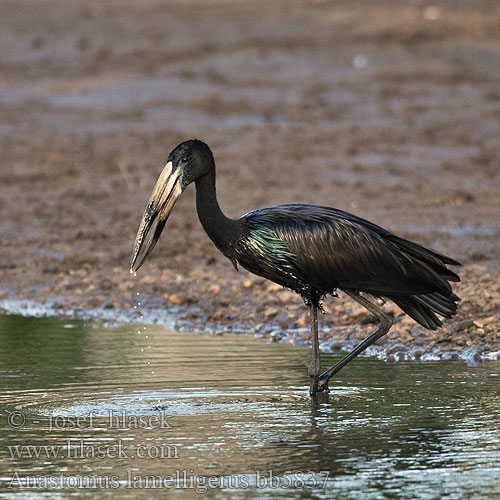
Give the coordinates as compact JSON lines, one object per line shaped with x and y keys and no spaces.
{"x":165,"y":193}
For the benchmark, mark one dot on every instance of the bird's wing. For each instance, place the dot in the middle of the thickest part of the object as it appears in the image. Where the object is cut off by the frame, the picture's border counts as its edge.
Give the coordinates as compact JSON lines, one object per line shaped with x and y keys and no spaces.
{"x":330,"y":249}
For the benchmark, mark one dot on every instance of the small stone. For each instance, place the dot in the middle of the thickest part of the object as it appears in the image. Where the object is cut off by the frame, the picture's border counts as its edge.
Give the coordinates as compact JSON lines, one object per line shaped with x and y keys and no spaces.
{"x":463,"y":325}
{"x":489,"y":320}
{"x":270,"y":312}
{"x":336,"y":345}
{"x":285,"y":296}
{"x":358,"y":314}
{"x":283,"y":323}
{"x":417,"y":353}
{"x":302,"y":321}
{"x":173,"y":299}
{"x":443,"y":337}
{"x":273,"y":287}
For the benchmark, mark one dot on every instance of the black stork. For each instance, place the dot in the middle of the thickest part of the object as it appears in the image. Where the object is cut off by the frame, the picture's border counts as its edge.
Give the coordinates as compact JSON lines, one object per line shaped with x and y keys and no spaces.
{"x":313,"y":250}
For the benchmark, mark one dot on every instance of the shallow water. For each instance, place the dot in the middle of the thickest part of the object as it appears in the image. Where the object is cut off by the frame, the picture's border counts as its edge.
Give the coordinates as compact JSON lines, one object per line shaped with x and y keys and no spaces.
{"x":230,"y":416}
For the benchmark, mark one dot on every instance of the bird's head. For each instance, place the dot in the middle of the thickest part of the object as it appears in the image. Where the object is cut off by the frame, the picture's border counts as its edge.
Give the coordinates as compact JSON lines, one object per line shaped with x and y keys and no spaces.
{"x":187,"y":162}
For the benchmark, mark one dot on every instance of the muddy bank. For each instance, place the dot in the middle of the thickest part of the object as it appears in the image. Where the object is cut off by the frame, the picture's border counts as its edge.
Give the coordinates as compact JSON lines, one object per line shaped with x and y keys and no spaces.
{"x":266,"y":310}
{"x":394,"y":116}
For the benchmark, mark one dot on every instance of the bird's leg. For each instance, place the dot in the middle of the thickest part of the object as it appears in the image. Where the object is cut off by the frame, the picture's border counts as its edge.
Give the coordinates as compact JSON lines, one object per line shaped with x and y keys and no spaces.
{"x":384,"y":326}
{"x":315,"y":366}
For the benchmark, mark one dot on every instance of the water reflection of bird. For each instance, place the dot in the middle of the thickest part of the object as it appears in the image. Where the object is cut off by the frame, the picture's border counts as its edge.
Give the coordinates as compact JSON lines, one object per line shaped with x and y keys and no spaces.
{"x":310,"y":249}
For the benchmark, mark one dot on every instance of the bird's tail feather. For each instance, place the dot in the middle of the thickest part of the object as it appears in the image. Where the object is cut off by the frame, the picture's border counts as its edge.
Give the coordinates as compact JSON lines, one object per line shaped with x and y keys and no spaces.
{"x":432,"y":258}
{"x":424,"y":307}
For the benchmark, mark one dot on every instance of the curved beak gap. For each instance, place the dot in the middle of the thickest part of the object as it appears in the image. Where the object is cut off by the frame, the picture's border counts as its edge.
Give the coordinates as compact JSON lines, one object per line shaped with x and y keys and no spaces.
{"x":165,"y":193}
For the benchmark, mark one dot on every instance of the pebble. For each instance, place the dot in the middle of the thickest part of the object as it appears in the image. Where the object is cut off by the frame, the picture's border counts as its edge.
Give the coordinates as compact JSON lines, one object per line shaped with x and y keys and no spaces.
{"x":302,"y":321}
{"x":463,"y":325}
{"x":358,"y":314}
{"x":284,"y":324}
{"x":173,"y":299}
{"x":270,"y":312}
{"x":417,"y":353}
{"x":274,"y":287}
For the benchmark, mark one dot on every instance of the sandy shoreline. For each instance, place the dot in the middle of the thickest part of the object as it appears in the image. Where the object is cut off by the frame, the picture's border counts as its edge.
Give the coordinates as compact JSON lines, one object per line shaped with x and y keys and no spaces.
{"x":278,"y":315}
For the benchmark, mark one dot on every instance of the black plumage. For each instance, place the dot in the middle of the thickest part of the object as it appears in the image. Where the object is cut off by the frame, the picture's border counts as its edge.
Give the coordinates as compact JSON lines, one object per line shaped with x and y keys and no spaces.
{"x":313,"y":250}
{"x":316,"y":250}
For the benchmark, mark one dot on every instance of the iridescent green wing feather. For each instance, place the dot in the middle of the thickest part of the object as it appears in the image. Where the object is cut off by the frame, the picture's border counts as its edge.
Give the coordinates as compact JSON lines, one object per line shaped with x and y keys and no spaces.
{"x":328,"y":249}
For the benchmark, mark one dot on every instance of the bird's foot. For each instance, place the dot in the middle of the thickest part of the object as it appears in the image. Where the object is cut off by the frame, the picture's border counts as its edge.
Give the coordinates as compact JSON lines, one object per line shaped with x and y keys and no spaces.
{"x":318,"y":385}
{"x":323,"y":384}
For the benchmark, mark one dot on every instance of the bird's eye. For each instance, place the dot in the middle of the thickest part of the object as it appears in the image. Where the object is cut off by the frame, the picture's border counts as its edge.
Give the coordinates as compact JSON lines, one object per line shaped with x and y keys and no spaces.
{"x":184,"y":160}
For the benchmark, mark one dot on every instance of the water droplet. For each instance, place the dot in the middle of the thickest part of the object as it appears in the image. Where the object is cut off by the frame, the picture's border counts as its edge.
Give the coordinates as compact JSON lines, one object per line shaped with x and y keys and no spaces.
{"x":147,"y":336}
{"x":153,"y":372}
{"x":137,"y":293}
{"x":142,"y":350}
{"x":149,"y":362}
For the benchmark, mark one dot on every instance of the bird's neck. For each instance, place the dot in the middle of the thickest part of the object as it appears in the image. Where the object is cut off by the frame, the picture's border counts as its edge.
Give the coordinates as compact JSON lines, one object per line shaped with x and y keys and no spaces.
{"x":219,"y":228}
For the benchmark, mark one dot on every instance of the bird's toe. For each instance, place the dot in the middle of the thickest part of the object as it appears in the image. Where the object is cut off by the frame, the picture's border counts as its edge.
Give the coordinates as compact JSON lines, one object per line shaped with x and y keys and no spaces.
{"x":323,"y":384}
